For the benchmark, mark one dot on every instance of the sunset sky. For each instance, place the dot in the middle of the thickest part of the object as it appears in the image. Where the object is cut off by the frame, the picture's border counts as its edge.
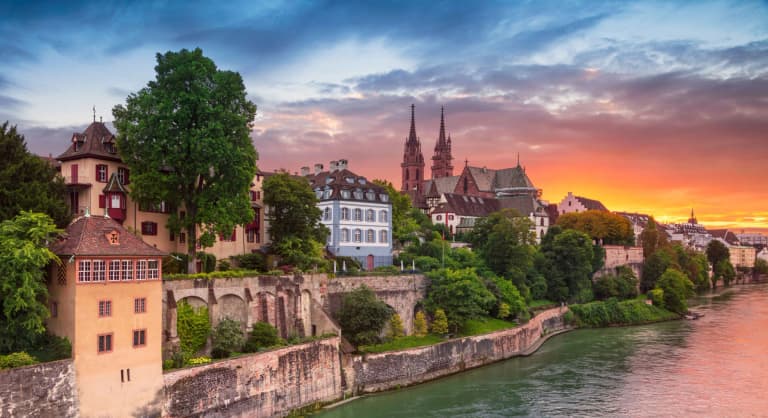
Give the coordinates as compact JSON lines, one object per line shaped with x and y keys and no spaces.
{"x":654,"y":107}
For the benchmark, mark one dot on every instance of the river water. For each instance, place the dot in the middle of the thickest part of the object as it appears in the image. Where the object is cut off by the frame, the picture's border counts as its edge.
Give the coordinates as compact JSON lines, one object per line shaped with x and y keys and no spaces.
{"x":714,"y":366}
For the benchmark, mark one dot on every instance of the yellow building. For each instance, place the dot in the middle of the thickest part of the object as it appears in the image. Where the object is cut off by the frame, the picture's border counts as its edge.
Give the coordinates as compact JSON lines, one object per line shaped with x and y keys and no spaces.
{"x":106,"y":298}
{"x":99,"y":182}
{"x":742,"y":256}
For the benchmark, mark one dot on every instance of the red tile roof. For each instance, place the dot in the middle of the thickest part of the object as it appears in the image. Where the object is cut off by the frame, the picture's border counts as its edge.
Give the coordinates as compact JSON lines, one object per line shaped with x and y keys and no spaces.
{"x":97,"y":141}
{"x":87,"y":235}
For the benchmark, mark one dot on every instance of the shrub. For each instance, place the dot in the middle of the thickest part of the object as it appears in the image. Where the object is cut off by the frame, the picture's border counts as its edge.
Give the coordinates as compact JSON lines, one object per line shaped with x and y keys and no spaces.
{"x":175,"y":263}
{"x":226,"y":338}
{"x":193,"y":327}
{"x":196,"y":361}
{"x":657,"y":297}
{"x":503,"y":310}
{"x":224,"y":265}
{"x":251,"y":261}
{"x":388,"y":269}
{"x":262,"y":335}
{"x":208,"y":261}
{"x":569,"y":318}
{"x":440,"y":322}
{"x":51,"y":347}
{"x":420,"y":324}
{"x":18,"y":359}
{"x":396,"y":326}
{"x":613,"y":312}
{"x":362,"y":316}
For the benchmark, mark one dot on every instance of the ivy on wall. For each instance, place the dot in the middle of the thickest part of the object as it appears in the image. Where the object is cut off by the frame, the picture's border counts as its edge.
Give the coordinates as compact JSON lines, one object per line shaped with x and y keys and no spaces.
{"x":193,"y":327}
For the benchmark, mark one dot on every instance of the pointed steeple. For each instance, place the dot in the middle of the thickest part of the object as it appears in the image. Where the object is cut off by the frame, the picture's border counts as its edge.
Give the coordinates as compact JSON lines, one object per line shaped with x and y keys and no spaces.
{"x":441,"y":142}
{"x":442,"y":165}
{"x":413,"y":163}
{"x":412,"y":135}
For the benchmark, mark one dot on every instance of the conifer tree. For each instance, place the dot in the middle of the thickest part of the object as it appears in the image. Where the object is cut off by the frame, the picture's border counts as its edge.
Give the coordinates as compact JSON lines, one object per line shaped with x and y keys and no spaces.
{"x":396,"y":326}
{"x":420,"y":324}
{"x":440,"y":322}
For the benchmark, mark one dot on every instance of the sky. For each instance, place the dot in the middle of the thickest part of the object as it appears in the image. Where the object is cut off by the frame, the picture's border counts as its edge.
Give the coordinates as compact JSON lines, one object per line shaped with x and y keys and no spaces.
{"x":651,"y":107}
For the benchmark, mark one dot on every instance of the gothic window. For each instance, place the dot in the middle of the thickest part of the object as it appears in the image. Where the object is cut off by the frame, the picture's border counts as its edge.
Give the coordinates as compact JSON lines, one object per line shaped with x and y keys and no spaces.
{"x":417,"y":174}
{"x":466,"y":185}
{"x":406,"y":174}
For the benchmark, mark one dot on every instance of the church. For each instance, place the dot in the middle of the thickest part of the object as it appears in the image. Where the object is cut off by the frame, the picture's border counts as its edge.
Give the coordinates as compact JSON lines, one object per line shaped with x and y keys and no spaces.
{"x":459,"y":200}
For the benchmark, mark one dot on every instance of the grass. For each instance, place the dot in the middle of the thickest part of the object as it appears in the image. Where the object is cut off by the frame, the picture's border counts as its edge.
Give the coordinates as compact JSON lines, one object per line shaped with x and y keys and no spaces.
{"x":541,"y":303}
{"x":484,"y":326}
{"x":401,"y":343}
{"x":612,"y":312}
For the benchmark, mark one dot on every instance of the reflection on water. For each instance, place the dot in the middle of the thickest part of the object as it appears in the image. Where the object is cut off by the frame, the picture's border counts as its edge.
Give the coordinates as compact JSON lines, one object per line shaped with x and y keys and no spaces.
{"x":715,"y":366}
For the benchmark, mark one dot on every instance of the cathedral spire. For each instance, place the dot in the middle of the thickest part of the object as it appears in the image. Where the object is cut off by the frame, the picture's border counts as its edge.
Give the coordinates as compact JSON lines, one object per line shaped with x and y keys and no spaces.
{"x":441,"y":138}
{"x":442,"y":165}
{"x":412,"y":135}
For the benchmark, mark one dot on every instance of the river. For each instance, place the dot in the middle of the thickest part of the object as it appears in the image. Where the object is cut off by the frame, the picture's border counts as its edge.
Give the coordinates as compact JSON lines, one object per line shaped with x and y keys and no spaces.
{"x":714,"y":366}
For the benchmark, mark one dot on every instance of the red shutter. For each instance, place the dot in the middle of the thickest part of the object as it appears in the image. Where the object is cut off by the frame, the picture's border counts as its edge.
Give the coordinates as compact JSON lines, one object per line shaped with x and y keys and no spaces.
{"x":102,"y":201}
{"x":122,"y":201}
{"x":74,"y":173}
{"x":106,"y":173}
{"x":127,"y":176}
{"x":234,"y":234}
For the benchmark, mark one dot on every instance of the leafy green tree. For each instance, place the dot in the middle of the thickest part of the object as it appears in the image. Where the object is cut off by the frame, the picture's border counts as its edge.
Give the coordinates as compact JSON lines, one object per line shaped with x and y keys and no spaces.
{"x":509,"y":300}
{"x":293,"y":211}
{"x":396,"y":328}
{"x":186,"y":138}
{"x":761,"y":266}
{"x":717,"y":252}
{"x":27,"y":182}
{"x":653,"y":267}
{"x":505,"y":241}
{"x":569,"y":255}
{"x":677,"y":288}
{"x":622,"y":285}
{"x":262,"y":335}
{"x":406,"y":222}
{"x":723,"y":270}
{"x":363,"y":316}
{"x":694,"y":265}
{"x":227,"y":338}
{"x":652,"y":239}
{"x":24,"y":254}
{"x":607,"y":227}
{"x":420,"y":324}
{"x":460,"y":293}
{"x":440,"y":322}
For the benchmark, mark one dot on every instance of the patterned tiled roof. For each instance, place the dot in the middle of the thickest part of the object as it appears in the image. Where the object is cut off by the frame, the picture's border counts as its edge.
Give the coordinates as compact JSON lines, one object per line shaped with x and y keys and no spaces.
{"x":97,"y":141}
{"x":514,"y":177}
{"x":725,"y":234}
{"x":346,"y":185}
{"x":464,"y":205}
{"x":483,"y":178}
{"x":436,"y":187}
{"x":88,"y":235}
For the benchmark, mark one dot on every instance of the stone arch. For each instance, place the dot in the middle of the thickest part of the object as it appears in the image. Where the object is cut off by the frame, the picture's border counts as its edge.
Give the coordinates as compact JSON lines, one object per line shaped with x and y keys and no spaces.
{"x":194,"y":301}
{"x":233,"y":307}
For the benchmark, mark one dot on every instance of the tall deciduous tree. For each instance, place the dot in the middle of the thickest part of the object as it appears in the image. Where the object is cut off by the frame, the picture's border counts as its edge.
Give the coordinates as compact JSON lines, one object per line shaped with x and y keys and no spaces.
{"x":677,"y":288}
{"x":460,"y":293}
{"x":717,"y":252}
{"x":568,"y":268}
{"x":652,"y":239}
{"x":24,"y":254}
{"x":405,"y":222}
{"x":293,"y":213}
{"x":27,"y":182}
{"x":362,"y":316}
{"x":505,"y":241}
{"x":607,"y":227}
{"x":185,"y":137}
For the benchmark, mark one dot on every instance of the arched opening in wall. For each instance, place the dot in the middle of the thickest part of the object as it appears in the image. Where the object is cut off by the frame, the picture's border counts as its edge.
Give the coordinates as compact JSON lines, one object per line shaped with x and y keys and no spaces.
{"x":306,"y":313}
{"x":193,"y":301}
{"x":233,"y":307}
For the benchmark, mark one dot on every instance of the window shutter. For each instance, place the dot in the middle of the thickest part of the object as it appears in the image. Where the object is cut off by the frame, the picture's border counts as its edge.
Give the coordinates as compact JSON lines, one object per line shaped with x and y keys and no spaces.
{"x":102,"y":201}
{"x":234,"y":234}
{"x":127,"y":176}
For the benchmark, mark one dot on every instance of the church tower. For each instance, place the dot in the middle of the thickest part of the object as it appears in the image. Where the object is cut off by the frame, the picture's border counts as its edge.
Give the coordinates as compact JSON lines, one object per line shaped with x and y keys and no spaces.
{"x":442,"y":165}
{"x":413,"y":163}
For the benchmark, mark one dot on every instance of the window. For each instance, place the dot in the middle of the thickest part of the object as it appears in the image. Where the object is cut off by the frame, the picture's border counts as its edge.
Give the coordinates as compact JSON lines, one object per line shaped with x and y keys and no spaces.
{"x":345,"y":235}
{"x":139,"y":337}
{"x":451,"y":217}
{"x":383,"y":216}
{"x":116,"y":202}
{"x":159,"y":207}
{"x":126,"y":273}
{"x":256,"y":195}
{"x":370,"y":236}
{"x":327,"y":193}
{"x":99,"y":270}
{"x":344,"y":214}
{"x":105,"y":308}
{"x":84,"y":271}
{"x":439,"y":217}
{"x":105,"y":343}
{"x":358,"y":194}
{"x":182,"y":238}
{"x":250,"y":234}
{"x":54,"y":309}
{"x":141,"y":270}
{"x":123,"y":175}
{"x":384,"y":197}
{"x":153,"y":270}
{"x":370,"y":215}
{"x":101,"y":173}
{"x":358,"y":235}
{"x":383,"y":236}
{"x":370,"y":195}
{"x":148,"y":228}
{"x":114,"y":270}
{"x":327,"y":214}
{"x":230,"y":237}
{"x":358,"y":214}
{"x":345,"y":194}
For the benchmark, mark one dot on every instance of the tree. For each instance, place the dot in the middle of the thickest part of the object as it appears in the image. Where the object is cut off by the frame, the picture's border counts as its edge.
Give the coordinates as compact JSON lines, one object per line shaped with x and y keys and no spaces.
{"x":420,"y":324}
{"x":653,"y":267}
{"x":509,"y":302}
{"x":606,"y":227}
{"x":226,"y":338}
{"x":27,"y":182}
{"x":694,"y":265}
{"x":460,"y":293}
{"x":404,"y":226}
{"x":677,"y":288}
{"x":723,"y":270}
{"x":505,"y":241}
{"x":440,"y":322}
{"x":294,"y":218}
{"x":186,"y":138}
{"x":363,"y":316}
{"x":652,"y":239}
{"x":568,"y":267}
{"x":717,"y":252}
{"x":761,"y":266}
{"x":23,"y":257}
{"x":262,"y":335}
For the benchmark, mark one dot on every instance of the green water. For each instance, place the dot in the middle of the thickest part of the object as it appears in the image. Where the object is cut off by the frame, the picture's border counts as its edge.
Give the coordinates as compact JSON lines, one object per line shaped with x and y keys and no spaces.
{"x":715,"y":366}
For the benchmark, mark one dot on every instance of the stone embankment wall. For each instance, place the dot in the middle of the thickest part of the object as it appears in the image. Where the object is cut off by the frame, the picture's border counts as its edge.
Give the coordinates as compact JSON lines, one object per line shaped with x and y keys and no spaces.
{"x":260,"y":385}
{"x":41,"y":390}
{"x":376,"y":372}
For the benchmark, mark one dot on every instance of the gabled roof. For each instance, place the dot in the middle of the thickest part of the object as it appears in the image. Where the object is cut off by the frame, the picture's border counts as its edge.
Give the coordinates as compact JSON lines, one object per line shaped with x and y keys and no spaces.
{"x":522,"y":203}
{"x":87,"y":235}
{"x":114,"y":185}
{"x":726,"y":235}
{"x":591,"y":204}
{"x":437,"y":187}
{"x":97,"y":141}
{"x":514,"y":177}
{"x":483,"y":178}
{"x":464,"y":205}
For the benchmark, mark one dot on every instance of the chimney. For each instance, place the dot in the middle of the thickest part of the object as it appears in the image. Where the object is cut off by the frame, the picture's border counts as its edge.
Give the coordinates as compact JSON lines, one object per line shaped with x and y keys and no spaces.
{"x":332,"y":167}
{"x":304,"y":171}
{"x":342,"y":164}
{"x":318,"y":168}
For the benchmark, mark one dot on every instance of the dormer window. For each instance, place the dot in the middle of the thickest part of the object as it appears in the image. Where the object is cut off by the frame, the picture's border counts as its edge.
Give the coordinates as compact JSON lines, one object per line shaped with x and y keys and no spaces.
{"x":384,"y":197}
{"x":370,"y":195}
{"x":359,"y":194}
{"x":349,"y":180}
{"x":345,"y":194}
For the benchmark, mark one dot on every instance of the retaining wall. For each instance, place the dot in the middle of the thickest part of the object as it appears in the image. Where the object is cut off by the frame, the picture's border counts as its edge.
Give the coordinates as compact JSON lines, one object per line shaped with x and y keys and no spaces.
{"x":376,"y":372}
{"x":260,"y":385}
{"x":41,"y":390}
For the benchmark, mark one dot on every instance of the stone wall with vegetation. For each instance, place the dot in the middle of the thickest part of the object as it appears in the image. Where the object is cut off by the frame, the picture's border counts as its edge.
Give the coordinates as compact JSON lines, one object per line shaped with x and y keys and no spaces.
{"x":265,"y":384}
{"x":41,"y":390}
{"x":377,"y":372}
